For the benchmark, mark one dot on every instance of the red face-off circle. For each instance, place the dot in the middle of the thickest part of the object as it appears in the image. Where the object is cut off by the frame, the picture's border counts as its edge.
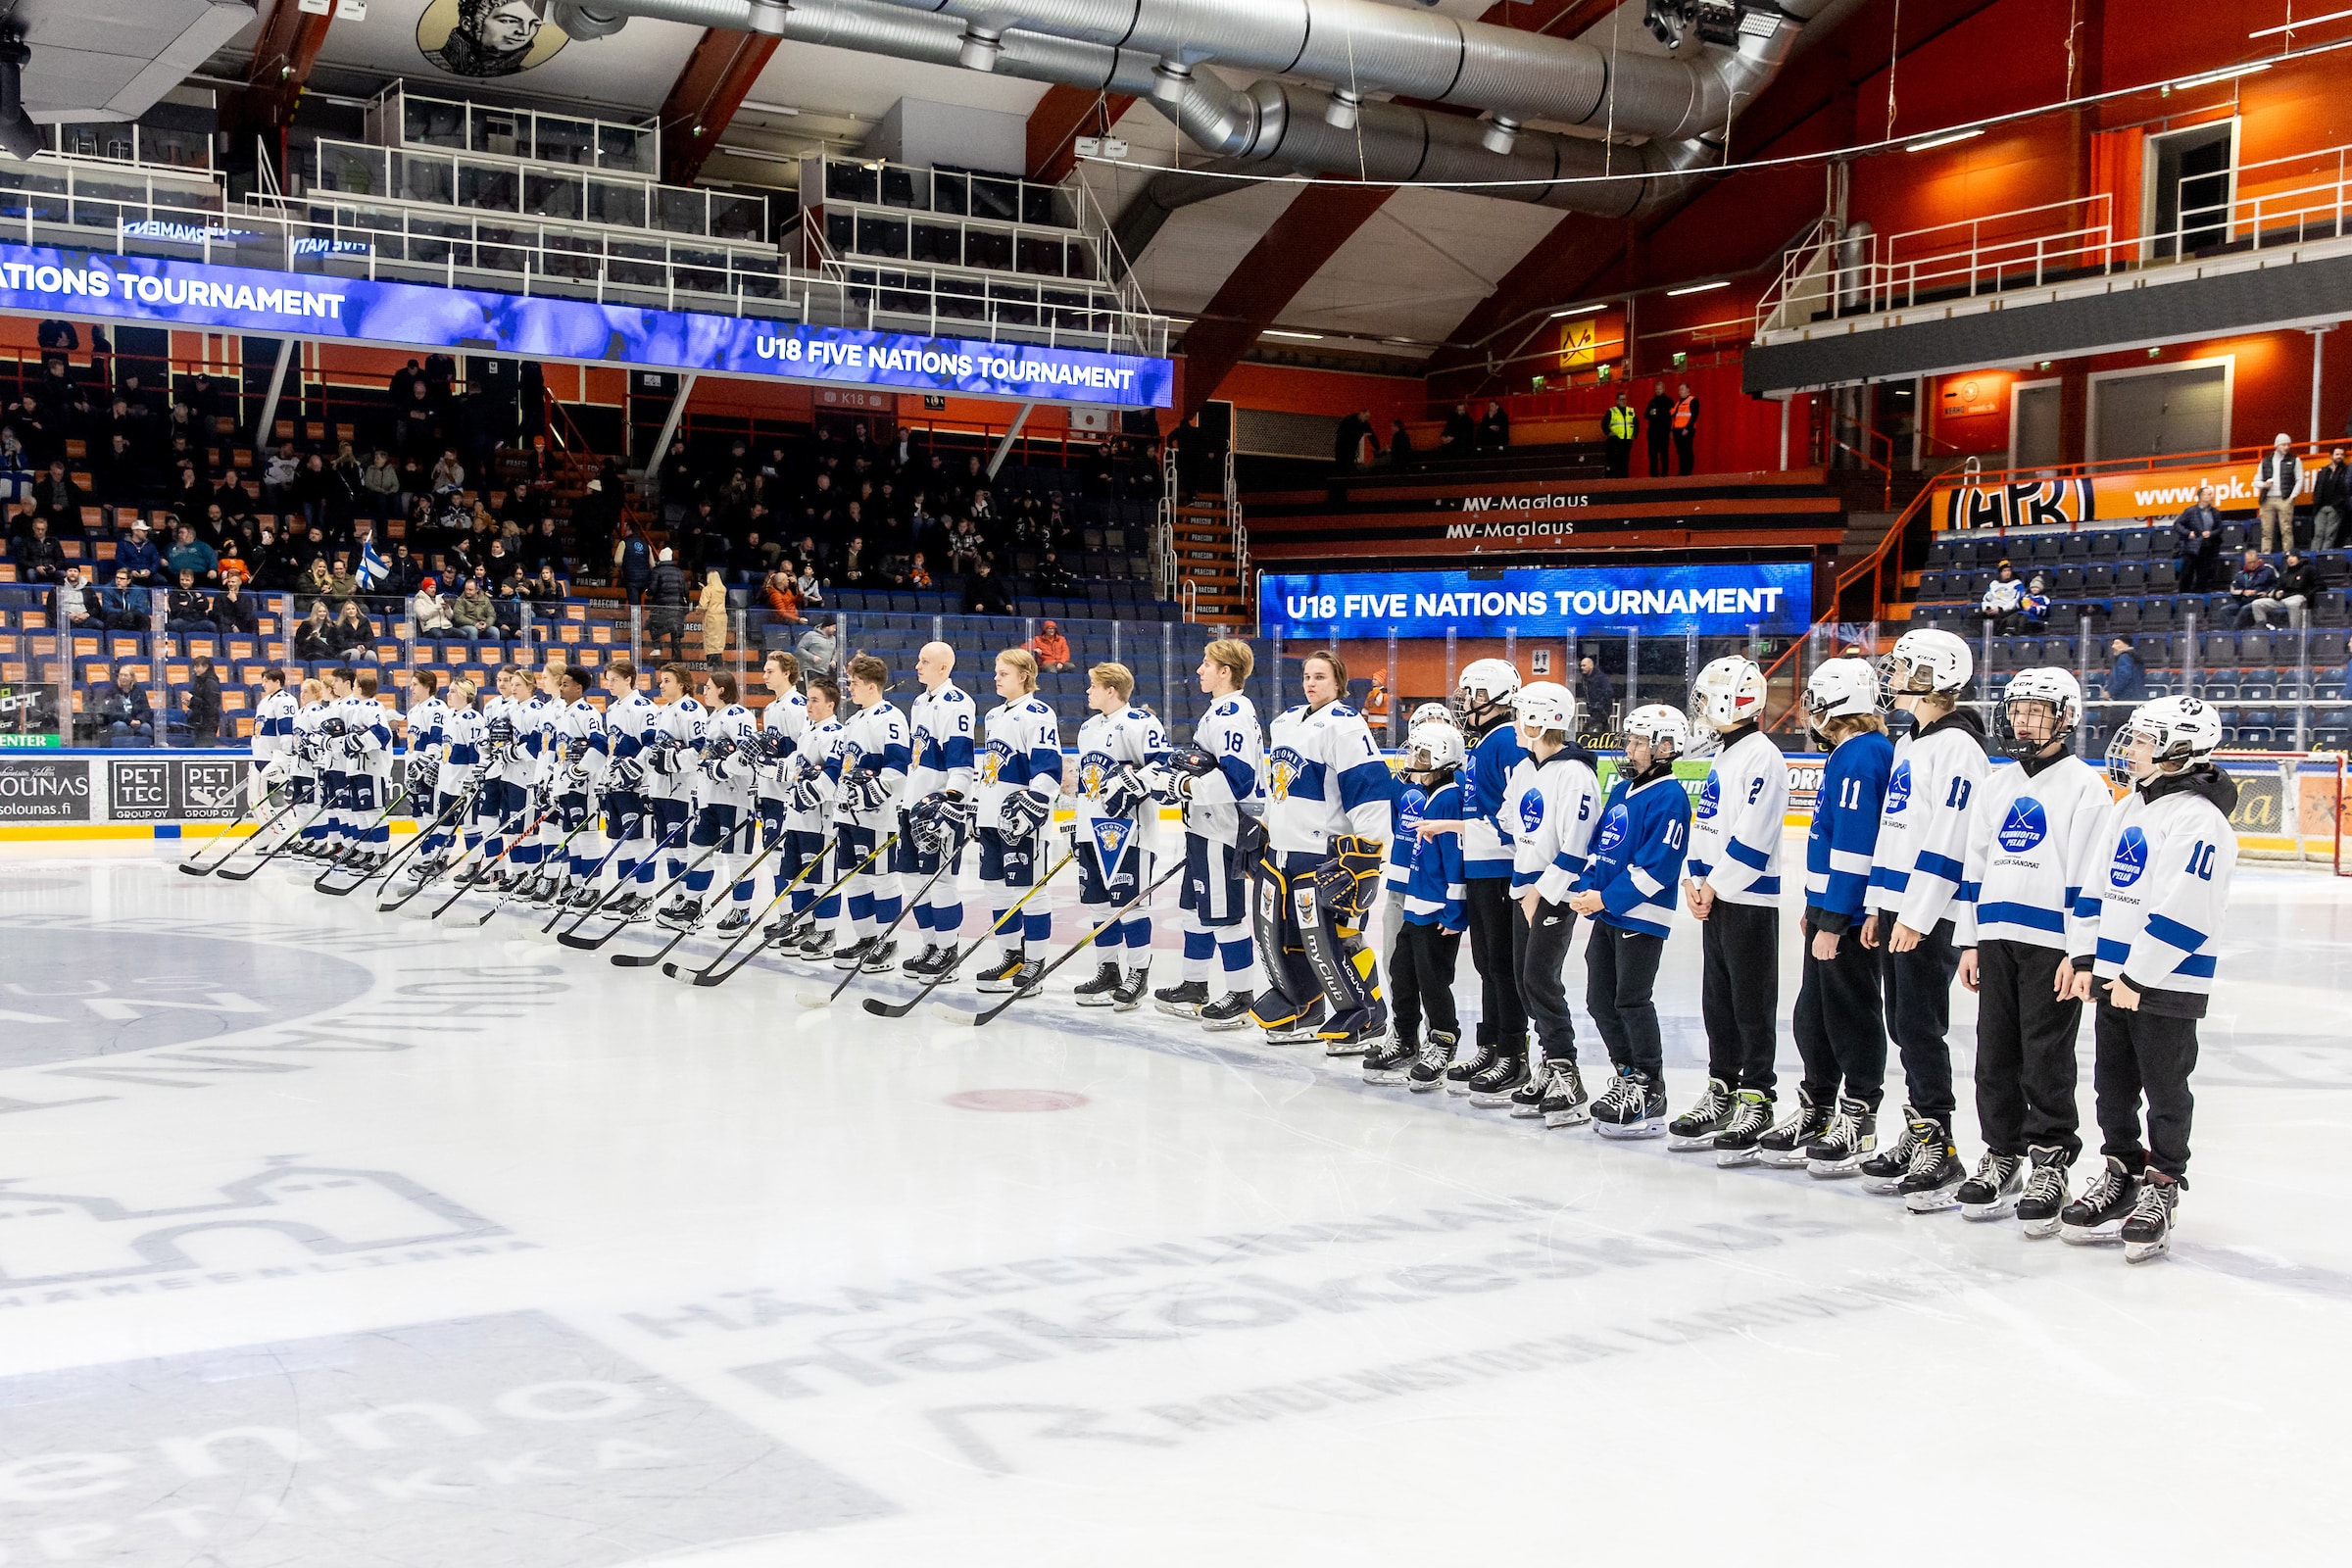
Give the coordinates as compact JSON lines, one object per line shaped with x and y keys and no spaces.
{"x":1016,"y":1099}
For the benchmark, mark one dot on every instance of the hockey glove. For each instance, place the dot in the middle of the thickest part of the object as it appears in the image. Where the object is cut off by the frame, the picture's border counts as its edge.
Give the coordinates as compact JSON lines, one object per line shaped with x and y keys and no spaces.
{"x":1186,"y":766}
{"x":502,"y":733}
{"x":1345,"y":882}
{"x":867,"y":792}
{"x":355,"y":747}
{"x":575,"y":751}
{"x":1024,"y":811}
{"x":662,"y":756}
{"x":626,"y":775}
{"x":1123,"y":793}
{"x":1249,"y":838}
{"x":424,"y":775}
{"x":807,"y":797}
{"x":278,"y":769}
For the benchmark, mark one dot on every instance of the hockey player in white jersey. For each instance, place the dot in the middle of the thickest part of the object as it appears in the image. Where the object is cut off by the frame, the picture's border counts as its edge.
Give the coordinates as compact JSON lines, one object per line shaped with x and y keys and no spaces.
{"x":783,"y":733}
{"x":944,"y":730}
{"x":333,"y":760}
{"x":307,"y":788}
{"x":368,"y":775}
{"x":724,"y":819}
{"x":1219,"y":780}
{"x":631,"y":720}
{"x":1327,"y":819}
{"x":579,"y":753}
{"x":2157,"y":890}
{"x":1732,"y":886}
{"x":670,"y":758}
{"x":1121,"y":755}
{"x":1915,"y":877}
{"x":868,"y":772}
{"x":535,"y":729}
{"x":456,"y":742}
{"x":273,"y":759}
{"x":809,"y":826}
{"x":2029,"y":850}
{"x":506,"y":801}
{"x":1019,"y":765}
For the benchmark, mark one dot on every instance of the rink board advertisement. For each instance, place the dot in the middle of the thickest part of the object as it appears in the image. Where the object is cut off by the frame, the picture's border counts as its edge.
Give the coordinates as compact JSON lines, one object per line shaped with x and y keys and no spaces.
{"x":418,"y":315}
{"x":146,"y":788}
{"x":1710,"y":601}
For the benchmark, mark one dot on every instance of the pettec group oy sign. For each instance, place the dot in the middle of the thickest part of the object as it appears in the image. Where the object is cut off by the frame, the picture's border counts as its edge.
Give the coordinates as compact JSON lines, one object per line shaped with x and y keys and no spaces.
{"x":1711,"y":600}
{"x":191,"y":294}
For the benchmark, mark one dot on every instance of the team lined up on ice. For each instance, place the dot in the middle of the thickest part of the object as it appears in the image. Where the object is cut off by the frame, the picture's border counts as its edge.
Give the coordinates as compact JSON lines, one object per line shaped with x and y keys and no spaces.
{"x":2029,"y":883}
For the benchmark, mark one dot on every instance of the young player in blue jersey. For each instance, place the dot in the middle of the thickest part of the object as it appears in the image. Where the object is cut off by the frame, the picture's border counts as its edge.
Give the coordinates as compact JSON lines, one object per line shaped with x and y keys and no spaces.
{"x":1217,"y":780}
{"x":1431,"y":917}
{"x":2030,"y":852}
{"x":1019,"y":780}
{"x":1628,"y":891}
{"x":1490,"y":734}
{"x":1840,"y":1029}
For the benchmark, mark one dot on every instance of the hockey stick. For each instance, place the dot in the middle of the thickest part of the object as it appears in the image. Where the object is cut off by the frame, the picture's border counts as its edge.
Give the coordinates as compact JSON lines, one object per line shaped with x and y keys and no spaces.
{"x":900,"y":1009}
{"x":427,"y":830}
{"x":628,"y":829}
{"x":335,"y":861}
{"x":240,"y":845}
{"x":507,"y":893}
{"x":639,"y":961}
{"x":710,"y":975}
{"x":318,"y":810}
{"x":1080,"y":945}
{"x":450,"y":820}
{"x":809,"y":999}
{"x":189,"y":866}
{"x":483,"y":870}
{"x":571,"y":936}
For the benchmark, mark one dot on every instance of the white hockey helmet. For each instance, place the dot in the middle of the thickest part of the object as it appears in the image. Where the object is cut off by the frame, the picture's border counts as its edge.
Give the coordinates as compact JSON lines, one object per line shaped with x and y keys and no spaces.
{"x":1926,"y":661}
{"x":2047,"y":684}
{"x":1433,"y":747}
{"x":2177,"y":729}
{"x":1729,"y":692}
{"x":1840,"y":688}
{"x":1544,"y":704}
{"x":1487,"y":683}
{"x":1661,"y":724}
{"x":1430,"y":713}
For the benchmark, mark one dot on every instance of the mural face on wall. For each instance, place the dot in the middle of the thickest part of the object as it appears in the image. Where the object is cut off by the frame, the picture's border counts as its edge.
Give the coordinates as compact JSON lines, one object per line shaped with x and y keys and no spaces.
{"x":487,"y":38}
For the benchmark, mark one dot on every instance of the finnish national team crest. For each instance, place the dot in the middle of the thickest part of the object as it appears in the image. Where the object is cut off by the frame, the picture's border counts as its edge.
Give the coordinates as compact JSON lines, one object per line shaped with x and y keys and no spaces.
{"x":1710,"y":798}
{"x":1899,"y":789}
{"x":2131,"y":857}
{"x":991,"y":761}
{"x":2026,"y":825}
{"x":1282,"y":772}
{"x":1112,"y":838}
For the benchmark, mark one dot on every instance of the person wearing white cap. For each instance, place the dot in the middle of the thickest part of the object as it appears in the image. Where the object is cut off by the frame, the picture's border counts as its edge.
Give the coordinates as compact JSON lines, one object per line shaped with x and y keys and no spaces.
{"x":665,"y":603}
{"x":2277,"y":479}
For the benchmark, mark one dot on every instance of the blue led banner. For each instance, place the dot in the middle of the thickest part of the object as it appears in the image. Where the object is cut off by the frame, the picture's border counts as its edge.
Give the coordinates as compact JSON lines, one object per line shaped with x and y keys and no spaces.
{"x":1713,"y":600}
{"x":419,"y":316}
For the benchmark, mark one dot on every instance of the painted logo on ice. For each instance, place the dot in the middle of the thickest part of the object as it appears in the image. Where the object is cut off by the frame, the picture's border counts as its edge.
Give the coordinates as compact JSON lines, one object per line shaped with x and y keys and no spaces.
{"x":2131,"y":857}
{"x":2027,"y":826}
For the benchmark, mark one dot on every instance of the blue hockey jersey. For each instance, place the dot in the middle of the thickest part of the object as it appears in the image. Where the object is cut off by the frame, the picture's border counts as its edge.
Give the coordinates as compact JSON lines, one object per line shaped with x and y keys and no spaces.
{"x":1637,"y":850}
{"x":1845,"y":829}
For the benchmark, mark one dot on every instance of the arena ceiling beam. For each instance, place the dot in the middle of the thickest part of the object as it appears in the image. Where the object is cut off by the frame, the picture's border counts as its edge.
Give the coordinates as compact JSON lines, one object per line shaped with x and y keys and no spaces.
{"x":1063,"y":116}
{"x":702,"y":103}
{"x":280,"y":68}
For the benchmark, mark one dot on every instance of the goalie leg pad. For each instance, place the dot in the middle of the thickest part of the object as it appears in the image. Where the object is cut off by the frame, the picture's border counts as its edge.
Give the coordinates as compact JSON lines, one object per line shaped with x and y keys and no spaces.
{"x":1343,"y":964}
{"x":1291,"y":986}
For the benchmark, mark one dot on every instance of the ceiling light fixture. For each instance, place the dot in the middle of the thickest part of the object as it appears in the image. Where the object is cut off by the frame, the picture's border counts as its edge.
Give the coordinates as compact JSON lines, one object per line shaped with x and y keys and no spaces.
{"x":1303,"y":337}
{"x":2227,"y":73}
{"x":2307,"y":22}
{"x":1945,"y":139}
{"x":769,"y":109}
{"x":1580,"y":310}
{"x":1697,"y":288}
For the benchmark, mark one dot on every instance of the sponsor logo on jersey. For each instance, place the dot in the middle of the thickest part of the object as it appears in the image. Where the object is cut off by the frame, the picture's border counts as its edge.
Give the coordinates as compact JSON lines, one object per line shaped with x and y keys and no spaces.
{"x":2131,"y":857}
{"x":1899,"y":789}
{"x":1710,"y":798}
{"x":1612,"y":831}
{"x":1283,"y":768}
{"x":1531,"y":810}
{"x":2027,"y":826}
{"x":1411,"y":806}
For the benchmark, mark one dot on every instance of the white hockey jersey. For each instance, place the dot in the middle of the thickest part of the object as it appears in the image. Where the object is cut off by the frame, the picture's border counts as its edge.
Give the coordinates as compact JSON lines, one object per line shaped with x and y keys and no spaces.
{"x":874,"y":742}
{"x":2029,"y":850}
{"x":273,"y":724}
{"x":630,"y":724}
{"x":511,"y":762}
{"x":818,"y":760}
{"x":428,"y":727}
{"x":1106,"y":742}
{"x":366,"y":721}
{"x":535,"y":731}
{"x":465,"y":737}
{"x":943,"y":730}
{"x":2160,"y":885}
{"x":1920,"y":861}
{"x":309,"y":743}
{"x":1229,"y":733}
{"x":1324,"y":776}
{"x":677,"y":731}
{"x":1736,"y":823}
{"x":1549,"y":808}
{"x":784,"y":721}
{"x":579,"y":747}
{"x":1022,"y":750}
{"x":730,"y":758}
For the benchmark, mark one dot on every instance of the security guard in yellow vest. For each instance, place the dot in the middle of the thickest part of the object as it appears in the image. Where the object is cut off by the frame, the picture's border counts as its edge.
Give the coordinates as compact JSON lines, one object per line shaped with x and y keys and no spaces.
{"x":1619,"y":426}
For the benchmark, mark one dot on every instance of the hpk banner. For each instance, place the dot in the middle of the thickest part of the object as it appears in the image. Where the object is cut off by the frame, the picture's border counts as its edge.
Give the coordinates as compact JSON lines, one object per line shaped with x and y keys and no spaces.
{"x":418,"y":315}
{"x":1711,"y":600}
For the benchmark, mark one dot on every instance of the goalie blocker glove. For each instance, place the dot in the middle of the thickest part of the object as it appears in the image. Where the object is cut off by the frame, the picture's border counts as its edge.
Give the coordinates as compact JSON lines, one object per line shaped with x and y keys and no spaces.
{"x":1344,"y":883}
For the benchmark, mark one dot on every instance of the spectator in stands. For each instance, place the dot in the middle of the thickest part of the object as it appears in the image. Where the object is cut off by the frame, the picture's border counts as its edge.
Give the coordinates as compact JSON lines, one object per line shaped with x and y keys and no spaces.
{"x":517,"y":622}
{"x":189,"y":608}
{"x":343,"y":583}
{"x":1618,"y":427}
{"x":2197,"y":542}
{"x":2126,"y":677}
{"x":665,"y":603}
{"x":1052,"y":648}
{"x":448,"y":474}
{"x":418,"y":430}
{"x":919,"y":575}
{"x":191,"y":554}
{"x":781,"y":599}
{"x":2290,"y":598}
{"x":1657,"y":425}
{"x":277,"y":479}
{"x":808,"y":584}
{"x":313,"y":639}
{"x":58,"y":498}
{"x":473,"y":617}
{"x":2033,"y":611}
{"x":122,"y":472}
{"x":854,"y":569}
{"x":819,"y":648}
{"x":2330,"y":500}
{"x":429,"y":616}
{"x":38,"y":557}
{"x":138,"y":554}
{"x":2277,"y":479}
{"x":204,"y":701}
{"x":231,"y":611}
{"x":1401,"y":446}
{"x":1052,"y":577}
{"x":982,"y":595}
{"x":1458,"y":437}
{"x":2001,"y":598}
{"x":543,"y":550}
{"x":380,"y":482}
{"x":545,"y":592}
{"x":713,"y":612}
{"x":1596,"y":693}
{"x":1349,"y":440}
{"x":315,"y":586}
{"x":632,"y":563}
{"x":352,"y":638}
{"x":119,"y":711}
{"x":125,"y":607}
{"x":2256,"y":580}
{"x":1494,"y":430}
{"x":78,"y":604}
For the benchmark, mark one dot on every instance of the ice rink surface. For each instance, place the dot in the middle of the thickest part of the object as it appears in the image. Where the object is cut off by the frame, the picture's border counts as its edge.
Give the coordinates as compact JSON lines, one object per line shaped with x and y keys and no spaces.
{"x":333,"y":1239}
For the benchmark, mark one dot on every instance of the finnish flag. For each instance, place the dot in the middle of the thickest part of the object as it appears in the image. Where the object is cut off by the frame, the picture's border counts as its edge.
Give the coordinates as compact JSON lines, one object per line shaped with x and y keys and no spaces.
{"x":374,"y":569}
